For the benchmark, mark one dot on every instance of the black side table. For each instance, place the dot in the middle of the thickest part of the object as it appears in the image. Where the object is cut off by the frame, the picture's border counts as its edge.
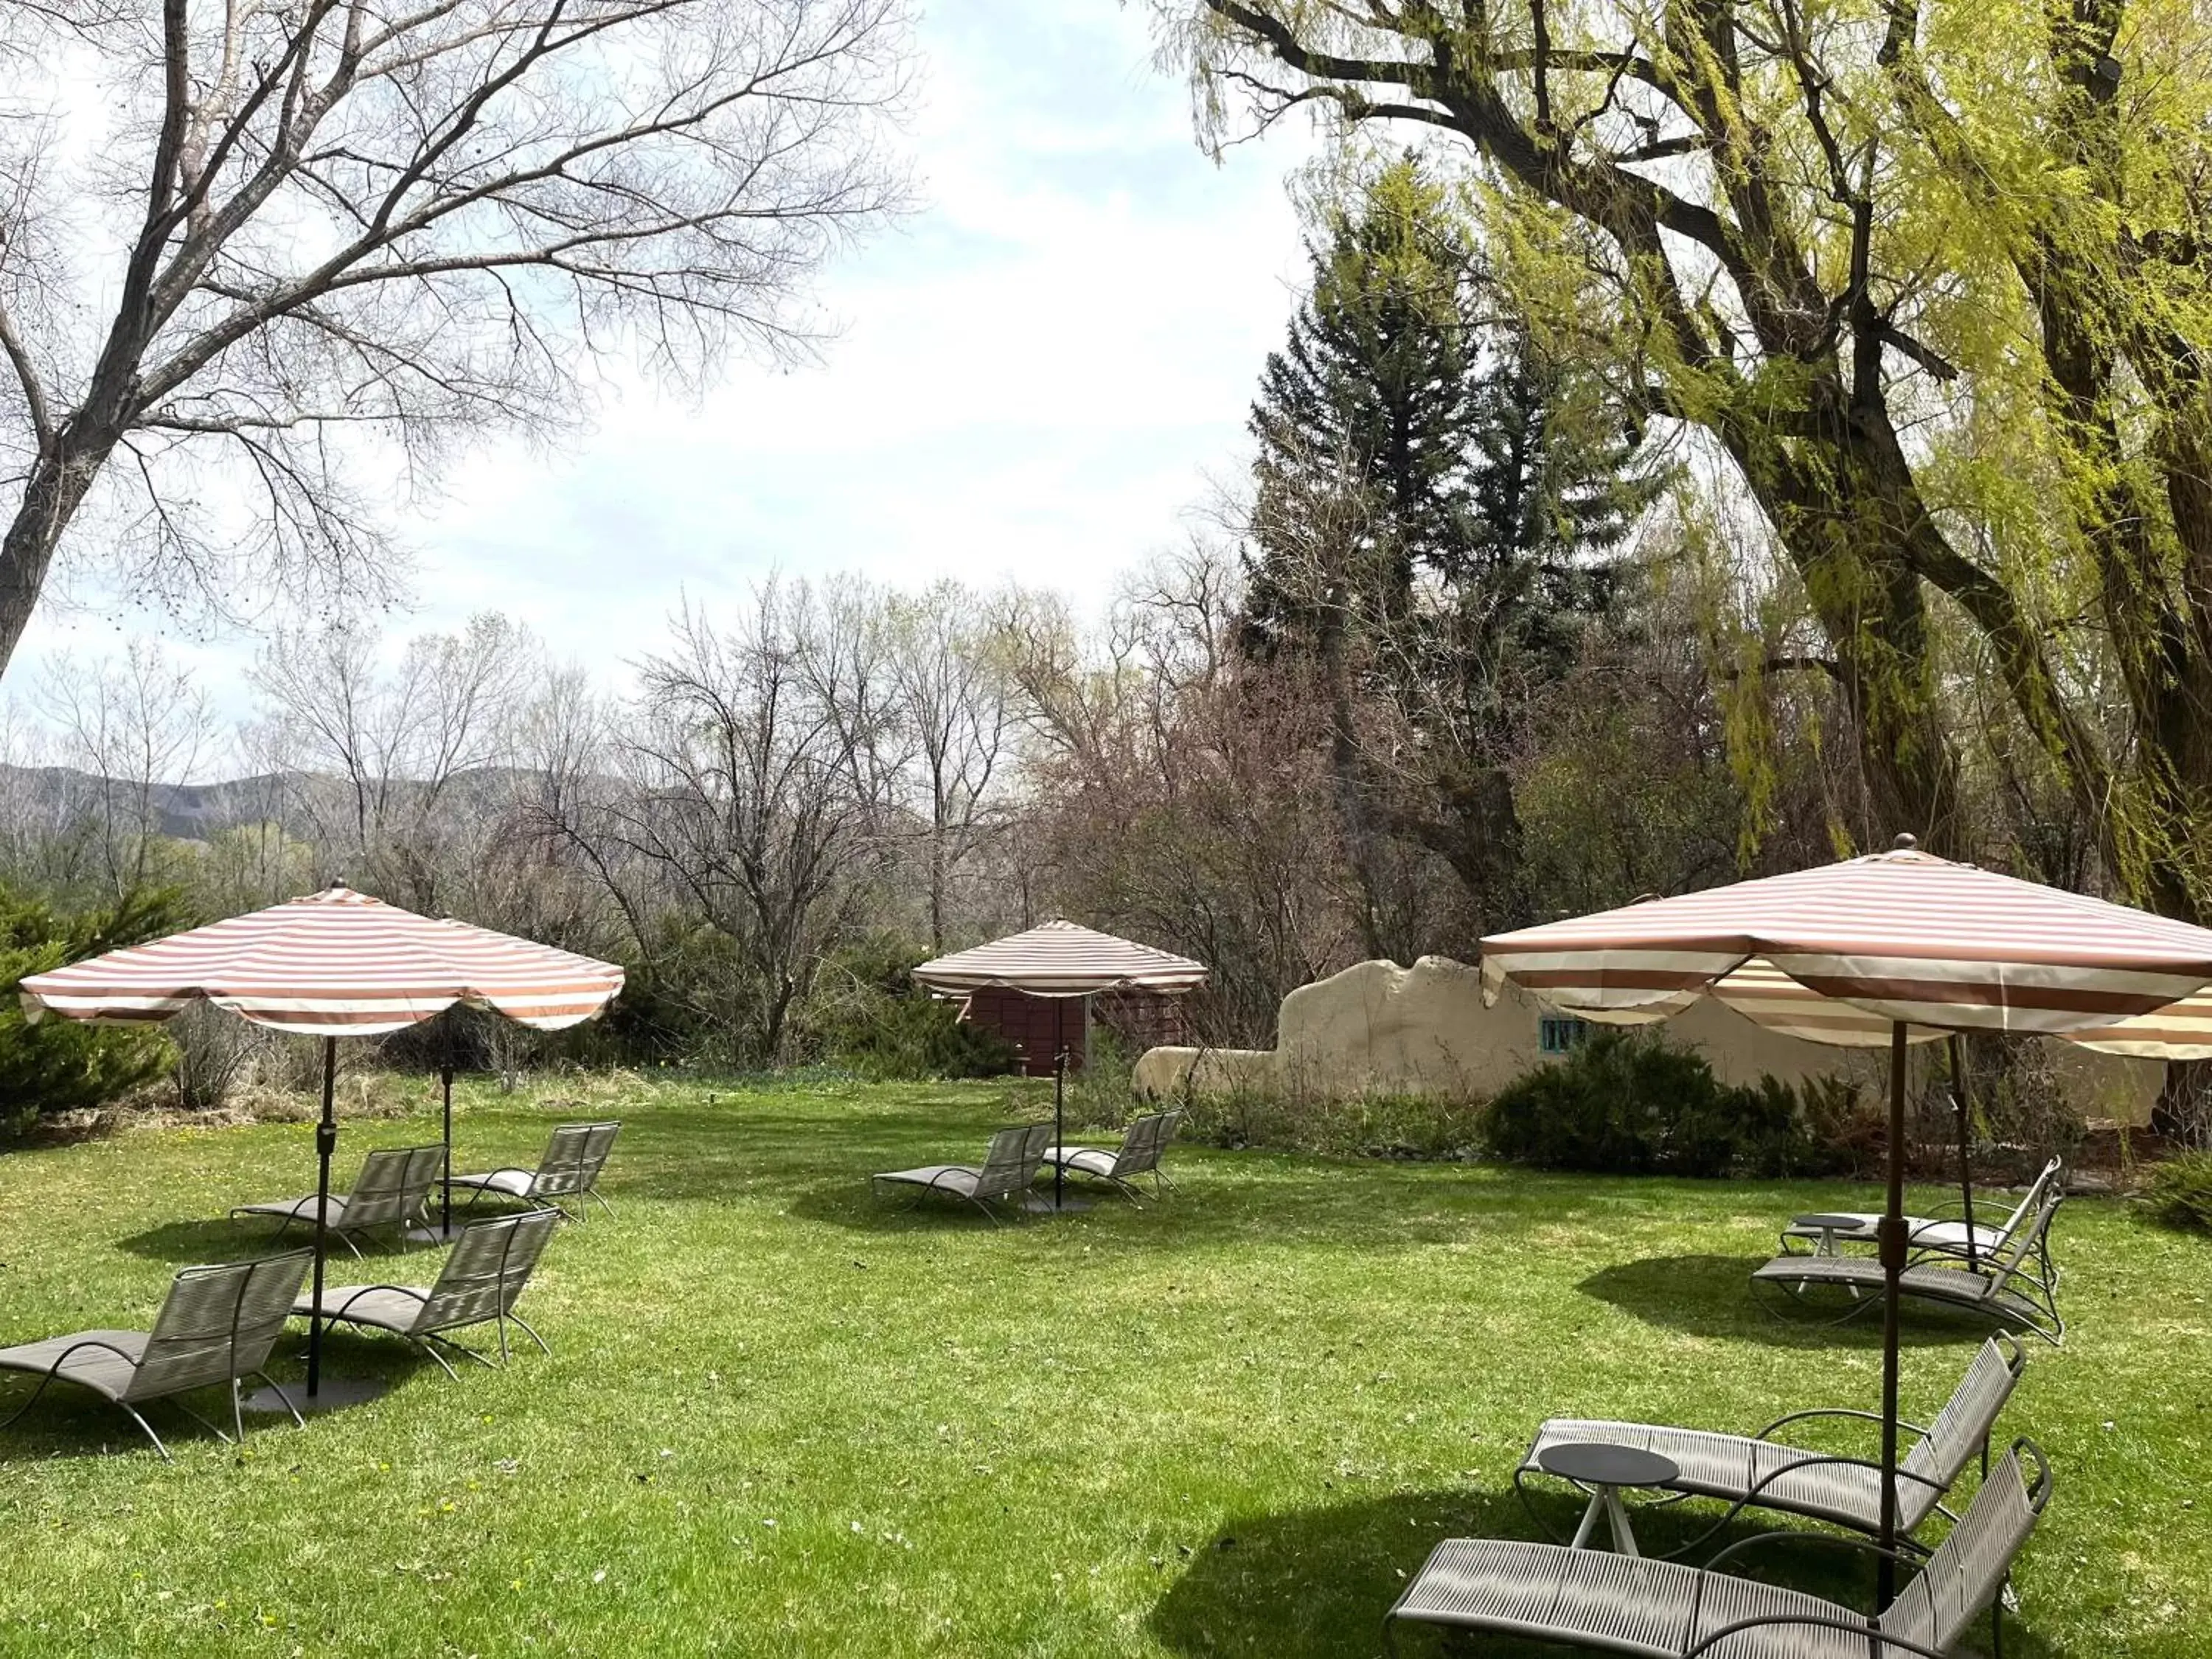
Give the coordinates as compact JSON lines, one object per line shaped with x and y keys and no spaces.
{"x":1834,"y":1226}
{"x":1605,"y":1469}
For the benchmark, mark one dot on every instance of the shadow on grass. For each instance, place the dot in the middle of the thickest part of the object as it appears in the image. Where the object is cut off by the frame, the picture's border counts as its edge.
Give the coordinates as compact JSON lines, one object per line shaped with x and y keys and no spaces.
{"x":1317,"y":1582}
{"x":1713,"y":1296}
{"x":70,"y":1422}
{"x":189,"y":1242}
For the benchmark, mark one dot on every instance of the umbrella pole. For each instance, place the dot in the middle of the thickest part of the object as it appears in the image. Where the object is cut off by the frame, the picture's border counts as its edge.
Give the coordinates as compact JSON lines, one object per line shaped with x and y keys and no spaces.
{"x":326,"y":1142}
{"x":1966,"y":1134}
{"x":1059,"y":1101}
{"x":1893,"y":1265}
{"x":446,"y":1207}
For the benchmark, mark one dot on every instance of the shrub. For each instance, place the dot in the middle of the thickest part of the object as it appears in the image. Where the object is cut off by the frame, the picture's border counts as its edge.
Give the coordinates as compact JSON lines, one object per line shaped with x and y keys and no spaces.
{"x":918,"y":1036}
{"x":2180,"y":1192}
{"x":60,"y":1065}
{"x":1441,"y":1128}
{"x":217,"y":1052}
{"x":1629,"y":1103}
{"x":875,"y":1021}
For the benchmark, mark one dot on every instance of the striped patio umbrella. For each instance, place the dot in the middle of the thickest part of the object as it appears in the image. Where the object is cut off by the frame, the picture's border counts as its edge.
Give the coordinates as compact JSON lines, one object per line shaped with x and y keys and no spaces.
{"x":1900,"y":944}
{"x":1061,"y":959}
{"x":336,"y":964}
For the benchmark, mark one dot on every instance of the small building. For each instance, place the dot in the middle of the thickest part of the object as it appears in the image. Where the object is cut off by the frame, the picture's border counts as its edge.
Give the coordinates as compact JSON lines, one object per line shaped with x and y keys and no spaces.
{"x":1043,"y":989}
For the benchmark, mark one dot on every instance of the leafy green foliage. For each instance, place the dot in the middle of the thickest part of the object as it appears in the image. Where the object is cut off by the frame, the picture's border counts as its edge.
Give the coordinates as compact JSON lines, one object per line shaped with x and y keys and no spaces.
{"x":60,"y":1065}
{"x":917,"y":1036}
{"x":882,"y":1025}
{"x":2180,"y":1192}
{"x":1627,"y":1103}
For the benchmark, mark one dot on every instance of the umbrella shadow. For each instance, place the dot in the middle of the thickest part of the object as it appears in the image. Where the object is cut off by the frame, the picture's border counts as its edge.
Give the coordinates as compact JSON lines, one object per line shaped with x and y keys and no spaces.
{"x":186,"y":1244}
{"x":1713,"y":1295}
{"x":67,"y":1422}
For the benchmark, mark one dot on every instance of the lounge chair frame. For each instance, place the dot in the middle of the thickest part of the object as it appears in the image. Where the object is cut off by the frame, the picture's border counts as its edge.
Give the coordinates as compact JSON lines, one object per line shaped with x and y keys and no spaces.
{"x":486,"y":1272}
{"x":392,"y":1190}
{"x":1009,"y":1167}
{"x":1620,"y":1604}
{"x":216,"y":1326}
{"x":575,"y":1154}
{"x":2020,"y":1287}
{"x":1142,"y":1143}
{"x":1962,"y":1430}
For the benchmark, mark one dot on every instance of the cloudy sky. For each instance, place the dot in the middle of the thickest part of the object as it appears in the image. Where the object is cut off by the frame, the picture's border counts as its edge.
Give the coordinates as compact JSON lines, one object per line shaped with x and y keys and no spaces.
{"x":1036,"y":374}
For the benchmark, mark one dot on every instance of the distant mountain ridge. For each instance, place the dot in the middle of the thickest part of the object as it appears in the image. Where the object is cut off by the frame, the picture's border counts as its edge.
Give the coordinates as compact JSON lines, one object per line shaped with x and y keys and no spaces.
{"x":200,"y":811}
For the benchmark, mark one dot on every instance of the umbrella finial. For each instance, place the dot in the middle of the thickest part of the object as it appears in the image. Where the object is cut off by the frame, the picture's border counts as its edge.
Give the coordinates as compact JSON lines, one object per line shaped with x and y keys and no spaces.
{"x":1906,"y":842}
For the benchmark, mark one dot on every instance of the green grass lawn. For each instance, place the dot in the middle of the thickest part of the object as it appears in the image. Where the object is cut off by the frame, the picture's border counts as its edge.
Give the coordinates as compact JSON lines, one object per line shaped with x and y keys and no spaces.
{"x":783,"y":1416}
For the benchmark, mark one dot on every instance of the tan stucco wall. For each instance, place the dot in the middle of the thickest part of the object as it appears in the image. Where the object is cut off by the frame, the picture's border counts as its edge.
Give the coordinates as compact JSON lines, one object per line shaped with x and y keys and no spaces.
{"x":1380,"y":1029}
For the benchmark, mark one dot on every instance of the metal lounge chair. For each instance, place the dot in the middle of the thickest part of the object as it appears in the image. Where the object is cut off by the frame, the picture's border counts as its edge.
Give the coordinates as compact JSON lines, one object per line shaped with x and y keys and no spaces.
{"x":1006,"y":1173}
{"x":490,"y":1264}
{"x":1142,"y":1143}
{"x":570,"y":1169}
{"x":216,"y":1326}
{"x":392,"y":1190}
{"x":2018,"y":1288}
{"x":1931,"y":1237}
{"x":1759,"y":1471}
{"x":1664,"y":1610}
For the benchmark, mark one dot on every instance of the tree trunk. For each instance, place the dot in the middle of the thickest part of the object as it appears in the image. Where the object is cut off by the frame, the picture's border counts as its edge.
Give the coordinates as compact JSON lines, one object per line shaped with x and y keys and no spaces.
{"x":59,"y":478}
{"x":2181,"y":1113}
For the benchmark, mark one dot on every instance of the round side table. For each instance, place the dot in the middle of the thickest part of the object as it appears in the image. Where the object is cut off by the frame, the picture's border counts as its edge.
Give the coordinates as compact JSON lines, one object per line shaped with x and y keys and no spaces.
{"x":1605,"y":1469}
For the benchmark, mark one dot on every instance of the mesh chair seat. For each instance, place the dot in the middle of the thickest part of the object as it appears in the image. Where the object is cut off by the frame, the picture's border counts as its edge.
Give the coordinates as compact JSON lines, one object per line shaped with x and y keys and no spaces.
{"x":1090,"y":1160}
{"x":2016,"y":1286}
{"x":299,"y":1209}
{"x":1747,"y":1469}
{"x":1138,"y":1154}
{"x":108,"y":1370}
{"x":1734,"y":1467}
{"x":1956,"y":1287}
{"x":962,"y":1178}
{"x":487,"y":1268}
{"x":394,"y":1308}
{"x":1007,"y":1171}
{"x":217,"y":1325}
{"x":1663,"y":1610}
{"x":392,"y":1190}
{"x":575,"y":1156}
{"x":1624,"y":1603}
{"x":514,"y":1183}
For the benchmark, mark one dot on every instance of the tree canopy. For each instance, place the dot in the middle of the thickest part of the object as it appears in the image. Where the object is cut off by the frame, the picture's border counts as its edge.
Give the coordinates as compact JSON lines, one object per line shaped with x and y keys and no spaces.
{"x":1930,"y":278}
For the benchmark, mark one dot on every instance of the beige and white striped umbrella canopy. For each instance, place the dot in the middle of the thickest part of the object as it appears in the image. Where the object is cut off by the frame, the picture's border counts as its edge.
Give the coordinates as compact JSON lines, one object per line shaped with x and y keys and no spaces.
{"x":1838,"y":954}
{"x":1062,"y":959}
{"x":335,"y":963}
{"x":1760,"y":991}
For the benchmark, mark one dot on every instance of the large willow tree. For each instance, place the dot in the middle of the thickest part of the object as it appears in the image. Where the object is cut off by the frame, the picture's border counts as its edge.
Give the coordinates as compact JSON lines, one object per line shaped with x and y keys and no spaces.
{"x":1933,"y":277}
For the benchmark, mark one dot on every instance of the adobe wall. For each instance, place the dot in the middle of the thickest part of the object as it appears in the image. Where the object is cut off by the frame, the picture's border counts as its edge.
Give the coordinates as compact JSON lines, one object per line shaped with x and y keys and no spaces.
{"x":1380,"y":1029}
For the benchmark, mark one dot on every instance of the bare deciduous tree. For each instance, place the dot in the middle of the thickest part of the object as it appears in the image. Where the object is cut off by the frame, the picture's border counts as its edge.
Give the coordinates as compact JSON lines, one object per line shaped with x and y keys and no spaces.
{"x":741,"y":794}
{"x":952,"y":694}
{"x":326,"y":232}
{"x":132,"y":725}
{"x":383,"y":750}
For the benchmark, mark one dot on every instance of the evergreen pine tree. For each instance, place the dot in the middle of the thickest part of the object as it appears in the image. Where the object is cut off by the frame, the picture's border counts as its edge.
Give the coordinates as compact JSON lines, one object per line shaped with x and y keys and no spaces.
{"x":1438,"y":518}
{"x":1369,"y":406}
